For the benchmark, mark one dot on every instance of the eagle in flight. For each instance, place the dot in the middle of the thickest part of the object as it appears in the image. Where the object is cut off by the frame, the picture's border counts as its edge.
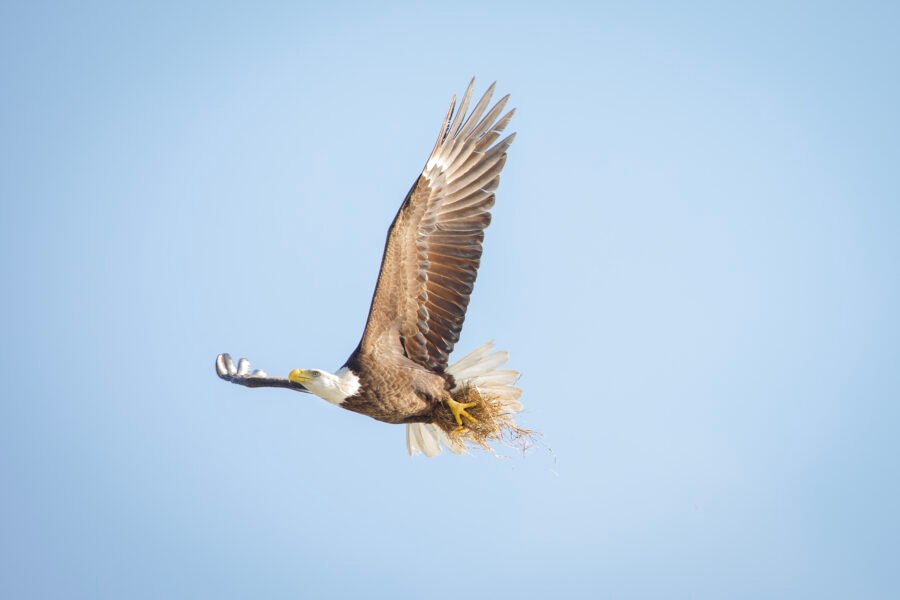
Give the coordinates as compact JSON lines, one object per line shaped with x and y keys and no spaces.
{"x":399,"y":372}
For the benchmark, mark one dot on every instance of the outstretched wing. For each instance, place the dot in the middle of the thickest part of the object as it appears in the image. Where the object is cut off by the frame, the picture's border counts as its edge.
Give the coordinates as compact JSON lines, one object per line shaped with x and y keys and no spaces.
{"x":433,"y":247}
{"x":242,"y":375}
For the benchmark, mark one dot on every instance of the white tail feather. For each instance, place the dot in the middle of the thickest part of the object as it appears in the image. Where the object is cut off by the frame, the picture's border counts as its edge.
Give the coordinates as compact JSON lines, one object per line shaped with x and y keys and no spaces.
{"x":479,"y":369}
{"x":427,"y":439}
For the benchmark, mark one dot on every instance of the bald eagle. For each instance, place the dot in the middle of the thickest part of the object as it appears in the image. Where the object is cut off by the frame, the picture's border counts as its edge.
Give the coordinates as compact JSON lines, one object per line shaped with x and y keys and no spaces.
{"x":399,"y":372}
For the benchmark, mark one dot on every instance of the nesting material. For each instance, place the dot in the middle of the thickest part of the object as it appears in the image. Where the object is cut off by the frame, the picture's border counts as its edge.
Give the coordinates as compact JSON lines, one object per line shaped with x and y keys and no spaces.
{"x":495,"y":421}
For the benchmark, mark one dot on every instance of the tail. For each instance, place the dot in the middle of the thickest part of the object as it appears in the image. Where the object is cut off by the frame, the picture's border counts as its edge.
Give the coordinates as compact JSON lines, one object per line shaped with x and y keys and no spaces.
{"x":479,"y":368}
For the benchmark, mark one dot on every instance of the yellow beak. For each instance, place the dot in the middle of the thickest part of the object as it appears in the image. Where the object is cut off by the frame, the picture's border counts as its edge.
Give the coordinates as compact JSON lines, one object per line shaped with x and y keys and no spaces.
{"x":299,"y":376}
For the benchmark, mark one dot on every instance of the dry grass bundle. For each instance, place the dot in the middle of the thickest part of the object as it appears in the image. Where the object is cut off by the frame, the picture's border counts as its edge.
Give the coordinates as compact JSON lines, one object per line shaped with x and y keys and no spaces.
{"x":494,"y":422}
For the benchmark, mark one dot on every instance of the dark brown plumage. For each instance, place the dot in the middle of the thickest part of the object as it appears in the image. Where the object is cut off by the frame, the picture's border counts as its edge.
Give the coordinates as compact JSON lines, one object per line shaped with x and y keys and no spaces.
{"x":430,"y":263}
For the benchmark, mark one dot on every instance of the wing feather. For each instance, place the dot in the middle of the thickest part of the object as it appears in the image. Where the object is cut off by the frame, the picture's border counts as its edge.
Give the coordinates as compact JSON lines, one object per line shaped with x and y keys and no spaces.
{"x":433,"y":249}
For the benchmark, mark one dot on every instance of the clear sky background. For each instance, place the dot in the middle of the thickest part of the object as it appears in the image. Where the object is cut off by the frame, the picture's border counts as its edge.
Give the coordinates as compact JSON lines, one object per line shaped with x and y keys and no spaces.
{"x":693,"y":262}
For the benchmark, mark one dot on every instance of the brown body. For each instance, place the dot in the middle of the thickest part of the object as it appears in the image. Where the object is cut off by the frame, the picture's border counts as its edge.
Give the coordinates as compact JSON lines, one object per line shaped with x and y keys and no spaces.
{"x":431,"y":259}
{"x":396,"y":391}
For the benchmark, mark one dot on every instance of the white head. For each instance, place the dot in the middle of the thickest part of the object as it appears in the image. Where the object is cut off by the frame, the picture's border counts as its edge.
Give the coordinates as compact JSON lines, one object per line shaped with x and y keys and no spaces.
{"x":333,"y":387}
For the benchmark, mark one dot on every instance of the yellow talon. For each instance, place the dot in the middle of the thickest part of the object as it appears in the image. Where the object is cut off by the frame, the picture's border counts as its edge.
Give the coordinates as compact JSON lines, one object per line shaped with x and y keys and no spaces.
{"x":459,"y":410}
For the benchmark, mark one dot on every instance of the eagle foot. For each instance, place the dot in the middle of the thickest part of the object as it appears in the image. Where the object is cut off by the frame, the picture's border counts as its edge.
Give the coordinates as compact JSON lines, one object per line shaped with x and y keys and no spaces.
{"x":459,"y":410}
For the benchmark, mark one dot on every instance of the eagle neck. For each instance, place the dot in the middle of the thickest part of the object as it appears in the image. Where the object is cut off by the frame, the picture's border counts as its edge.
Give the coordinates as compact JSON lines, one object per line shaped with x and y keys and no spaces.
{"x":345,"y":384}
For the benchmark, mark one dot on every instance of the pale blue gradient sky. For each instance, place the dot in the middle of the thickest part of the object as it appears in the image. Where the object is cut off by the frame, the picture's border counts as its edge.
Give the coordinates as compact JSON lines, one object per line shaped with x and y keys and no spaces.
{"x":693,"y":261}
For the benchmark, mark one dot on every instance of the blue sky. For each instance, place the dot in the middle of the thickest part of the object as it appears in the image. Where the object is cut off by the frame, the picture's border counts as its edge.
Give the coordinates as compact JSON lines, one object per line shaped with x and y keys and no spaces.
{"x":692,"y":261}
